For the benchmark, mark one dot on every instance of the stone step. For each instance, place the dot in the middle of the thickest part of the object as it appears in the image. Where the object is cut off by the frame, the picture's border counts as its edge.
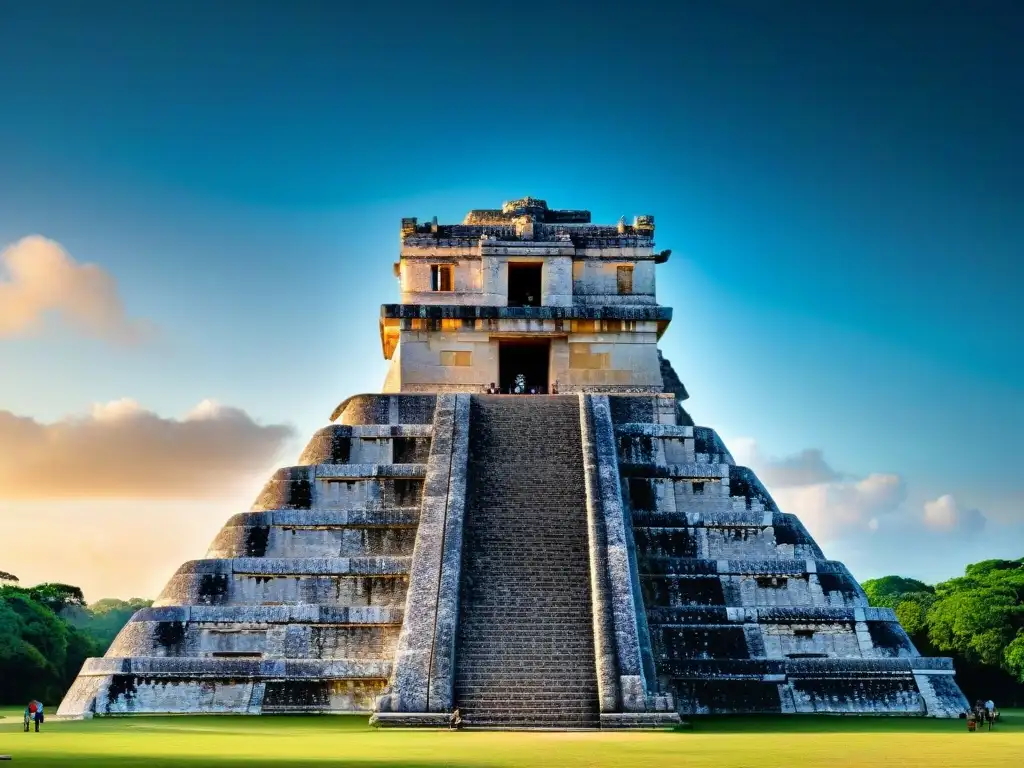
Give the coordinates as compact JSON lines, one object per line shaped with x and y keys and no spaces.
{"x":482,"y":684}
{"x":526,"y":648}
{"x":527,"y":711}
{"x":552,"y":721}
{"x":533,"y":703}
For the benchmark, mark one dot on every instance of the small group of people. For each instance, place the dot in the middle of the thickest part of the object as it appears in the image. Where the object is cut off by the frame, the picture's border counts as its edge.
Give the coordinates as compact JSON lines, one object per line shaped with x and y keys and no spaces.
{"x":33,"y":714}
{"x":519,"y":387}
{"x":982,"y":712}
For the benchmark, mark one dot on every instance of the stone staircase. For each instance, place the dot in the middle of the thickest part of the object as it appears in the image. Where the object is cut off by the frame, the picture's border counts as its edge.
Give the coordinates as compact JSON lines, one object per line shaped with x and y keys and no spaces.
{"x":525,"y":656}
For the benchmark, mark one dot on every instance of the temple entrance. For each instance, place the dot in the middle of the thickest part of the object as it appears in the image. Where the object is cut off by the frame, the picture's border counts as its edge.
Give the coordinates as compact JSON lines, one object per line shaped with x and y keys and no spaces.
{"x":524,"y":285}
{"x":529,"y":357}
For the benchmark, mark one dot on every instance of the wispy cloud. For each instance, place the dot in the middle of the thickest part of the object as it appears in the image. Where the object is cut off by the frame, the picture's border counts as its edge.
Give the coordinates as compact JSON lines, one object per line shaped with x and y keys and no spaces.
{"x":834,"y":504}
{"x":945,"y":514}
{"x":38,"y":278}
{"x":121,"y":450}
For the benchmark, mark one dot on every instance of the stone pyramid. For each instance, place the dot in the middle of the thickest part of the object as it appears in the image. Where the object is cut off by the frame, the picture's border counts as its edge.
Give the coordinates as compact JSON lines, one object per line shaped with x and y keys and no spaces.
{"x":525,"y":524}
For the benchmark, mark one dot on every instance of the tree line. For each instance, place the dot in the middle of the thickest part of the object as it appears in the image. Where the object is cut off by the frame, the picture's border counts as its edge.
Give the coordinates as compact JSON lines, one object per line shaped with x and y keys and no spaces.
{"x":48,"y":630}
{"x":977,"y":618}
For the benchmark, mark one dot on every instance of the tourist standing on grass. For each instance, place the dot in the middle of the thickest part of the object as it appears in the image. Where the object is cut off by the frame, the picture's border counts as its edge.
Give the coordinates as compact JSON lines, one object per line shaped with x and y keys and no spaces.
{"x":28,"y":715}
{"x":39,"y":714}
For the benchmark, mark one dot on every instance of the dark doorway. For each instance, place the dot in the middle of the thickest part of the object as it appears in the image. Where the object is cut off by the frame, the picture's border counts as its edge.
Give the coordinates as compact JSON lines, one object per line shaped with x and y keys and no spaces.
{"x":529,"y":358}
{"x":524,"y":285}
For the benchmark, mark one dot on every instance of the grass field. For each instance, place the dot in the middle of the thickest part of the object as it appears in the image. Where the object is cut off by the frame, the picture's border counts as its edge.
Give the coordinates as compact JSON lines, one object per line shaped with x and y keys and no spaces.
{"x":740,"y":742}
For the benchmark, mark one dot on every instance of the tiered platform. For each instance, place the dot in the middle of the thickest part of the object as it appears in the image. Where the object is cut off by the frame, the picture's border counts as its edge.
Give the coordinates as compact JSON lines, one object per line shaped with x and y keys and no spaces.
{"x":573,"y":561}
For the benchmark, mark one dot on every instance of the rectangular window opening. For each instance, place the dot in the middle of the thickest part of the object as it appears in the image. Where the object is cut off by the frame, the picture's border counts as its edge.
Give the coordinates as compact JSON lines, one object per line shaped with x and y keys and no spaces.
{"x":642,"y":495}
{"x":441,"y":277}
{"x":698,"y":488}
{"x":403,"y":493}
{"x":524,"y":284}
{"x":806,"y":634}
{"x":405,"y":450}
{"x":771,"y":582}
{"x":624,"y":280}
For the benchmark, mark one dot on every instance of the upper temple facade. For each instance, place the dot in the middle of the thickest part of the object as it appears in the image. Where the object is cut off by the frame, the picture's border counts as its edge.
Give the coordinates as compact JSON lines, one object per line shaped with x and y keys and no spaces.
{"x":526,"y":290}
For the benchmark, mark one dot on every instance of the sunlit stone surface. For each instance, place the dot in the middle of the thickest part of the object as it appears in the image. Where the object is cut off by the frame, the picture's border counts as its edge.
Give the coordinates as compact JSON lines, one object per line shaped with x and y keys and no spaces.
{"x":574,"y":560}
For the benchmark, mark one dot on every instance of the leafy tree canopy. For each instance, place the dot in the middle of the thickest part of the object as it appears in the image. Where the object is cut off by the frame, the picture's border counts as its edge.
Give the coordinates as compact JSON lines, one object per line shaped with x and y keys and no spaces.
{"x":977,"y":617}
{"x":46,"y":632}
{"x":893,"y":586}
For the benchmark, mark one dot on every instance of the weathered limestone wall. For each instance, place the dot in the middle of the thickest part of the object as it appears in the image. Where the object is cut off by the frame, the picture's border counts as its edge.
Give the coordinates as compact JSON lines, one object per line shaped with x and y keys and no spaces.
{"x":605,"y":362}
{"x":330,"y":533}
{"x":364,"y":410}
{"x":342,"y":581}
{"x":142,"y":686}
{"x":483,"y":279}
{"x":416,"y":285}
{"x":595,"y":282}
{"x":467,"y":360}
{"x":266,"y":632}
{"x":448,"y":361}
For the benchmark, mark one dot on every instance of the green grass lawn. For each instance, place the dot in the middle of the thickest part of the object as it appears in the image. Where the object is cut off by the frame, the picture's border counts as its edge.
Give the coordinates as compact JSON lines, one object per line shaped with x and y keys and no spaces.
{"x":728,"y":742}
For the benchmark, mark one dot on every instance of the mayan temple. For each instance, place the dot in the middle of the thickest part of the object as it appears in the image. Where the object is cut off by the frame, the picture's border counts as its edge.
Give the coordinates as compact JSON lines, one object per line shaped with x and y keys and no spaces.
{"x":571,"y":552}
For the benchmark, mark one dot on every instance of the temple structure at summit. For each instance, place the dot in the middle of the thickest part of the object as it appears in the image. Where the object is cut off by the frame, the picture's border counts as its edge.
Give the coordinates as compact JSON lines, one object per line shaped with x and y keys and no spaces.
{"x":580,"y":557}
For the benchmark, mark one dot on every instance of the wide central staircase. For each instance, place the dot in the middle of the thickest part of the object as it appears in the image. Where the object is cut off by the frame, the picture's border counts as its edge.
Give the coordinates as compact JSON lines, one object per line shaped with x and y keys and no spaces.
{"x":526,"y":645}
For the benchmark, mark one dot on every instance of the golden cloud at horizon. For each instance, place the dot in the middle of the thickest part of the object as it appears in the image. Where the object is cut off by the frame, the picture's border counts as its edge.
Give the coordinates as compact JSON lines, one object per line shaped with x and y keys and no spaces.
{"x":121,"y":450}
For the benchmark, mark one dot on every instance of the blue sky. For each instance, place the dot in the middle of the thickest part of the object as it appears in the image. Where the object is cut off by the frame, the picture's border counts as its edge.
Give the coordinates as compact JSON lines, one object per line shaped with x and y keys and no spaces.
{"x":842,"y":186}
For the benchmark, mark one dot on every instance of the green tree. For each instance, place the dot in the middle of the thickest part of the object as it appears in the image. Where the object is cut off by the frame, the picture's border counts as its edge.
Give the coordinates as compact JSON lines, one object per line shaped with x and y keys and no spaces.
{"x":58,"y":597}
{"x":40,"y":652}
{"x":888,"y":591}
{"x":80,"y":647}
{"x":33,"y":650}
{"x":977,"y":618}
{"x":912,"y":612}
{"x":987,"y":568}
{"x":105,"y":618}
{"x":980,"y":614}
{"x":909,"y":598}
{"x":1014,"y":657}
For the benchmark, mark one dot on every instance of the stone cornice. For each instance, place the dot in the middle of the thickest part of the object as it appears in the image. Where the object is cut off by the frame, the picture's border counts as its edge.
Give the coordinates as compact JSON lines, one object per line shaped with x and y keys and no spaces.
{"x":475,"y":312}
